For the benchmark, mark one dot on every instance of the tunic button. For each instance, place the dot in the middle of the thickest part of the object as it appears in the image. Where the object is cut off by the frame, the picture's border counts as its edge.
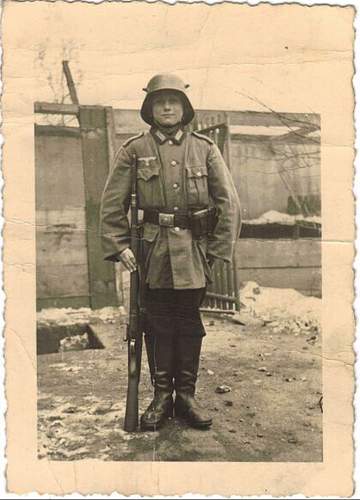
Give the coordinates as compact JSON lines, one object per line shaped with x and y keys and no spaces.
{"x":171,"y":143}
{"x":176,"y":208}
{"x":173,"y":163}
{"x":199,"y":174}
{"x":175,"y":186}
{"x":176,"y":229}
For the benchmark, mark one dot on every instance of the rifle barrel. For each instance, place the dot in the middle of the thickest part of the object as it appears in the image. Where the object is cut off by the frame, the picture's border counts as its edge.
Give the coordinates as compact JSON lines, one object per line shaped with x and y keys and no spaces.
{"x":134,"y":331}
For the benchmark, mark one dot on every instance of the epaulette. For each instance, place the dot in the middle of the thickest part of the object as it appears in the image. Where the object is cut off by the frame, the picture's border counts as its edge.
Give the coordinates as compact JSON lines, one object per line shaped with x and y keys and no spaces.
{"x":131,"y":139}
{"x":202,"y":136}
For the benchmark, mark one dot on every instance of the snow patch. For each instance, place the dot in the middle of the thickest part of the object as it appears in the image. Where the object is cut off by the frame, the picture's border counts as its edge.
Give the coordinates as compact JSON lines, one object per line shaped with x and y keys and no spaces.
{"x":70,"y":316}
{"x":283,"y":309}
{"x":275,"y":217}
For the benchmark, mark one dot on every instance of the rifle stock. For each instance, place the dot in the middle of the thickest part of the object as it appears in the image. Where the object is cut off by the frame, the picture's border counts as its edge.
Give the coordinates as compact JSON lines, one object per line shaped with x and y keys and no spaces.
{"x":134,"y":328}
{"x":132,"y":398}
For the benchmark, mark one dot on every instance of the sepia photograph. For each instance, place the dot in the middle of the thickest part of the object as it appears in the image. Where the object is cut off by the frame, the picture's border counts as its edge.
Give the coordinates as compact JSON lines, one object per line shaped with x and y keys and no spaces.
{"x":187,"y":178}
{"x":214,"y":280}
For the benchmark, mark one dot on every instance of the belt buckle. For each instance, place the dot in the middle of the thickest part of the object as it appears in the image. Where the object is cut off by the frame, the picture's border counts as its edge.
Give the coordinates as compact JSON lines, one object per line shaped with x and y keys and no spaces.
{"x":167,"y":220}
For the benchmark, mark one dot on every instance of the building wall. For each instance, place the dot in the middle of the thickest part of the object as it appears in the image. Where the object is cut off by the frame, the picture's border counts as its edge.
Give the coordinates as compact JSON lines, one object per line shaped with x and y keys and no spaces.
{"x":266,"y":175}
{"x":288,"y":263}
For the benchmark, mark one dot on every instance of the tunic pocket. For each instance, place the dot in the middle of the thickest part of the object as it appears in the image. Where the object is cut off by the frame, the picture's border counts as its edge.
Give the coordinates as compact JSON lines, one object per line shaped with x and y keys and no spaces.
{"x":150,"y":193}
{"x":197,"y":185}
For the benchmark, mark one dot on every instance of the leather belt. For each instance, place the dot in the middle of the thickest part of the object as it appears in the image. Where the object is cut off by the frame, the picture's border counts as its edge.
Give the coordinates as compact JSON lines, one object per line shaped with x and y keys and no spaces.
{"x":167,"y":219}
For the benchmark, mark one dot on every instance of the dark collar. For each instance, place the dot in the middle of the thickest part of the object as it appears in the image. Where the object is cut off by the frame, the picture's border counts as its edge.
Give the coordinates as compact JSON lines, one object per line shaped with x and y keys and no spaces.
{"x":161,"y":138}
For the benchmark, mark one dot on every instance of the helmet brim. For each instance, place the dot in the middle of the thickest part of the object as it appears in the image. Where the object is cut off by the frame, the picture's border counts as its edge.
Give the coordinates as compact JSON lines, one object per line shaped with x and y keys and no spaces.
{"x":146,"y":108}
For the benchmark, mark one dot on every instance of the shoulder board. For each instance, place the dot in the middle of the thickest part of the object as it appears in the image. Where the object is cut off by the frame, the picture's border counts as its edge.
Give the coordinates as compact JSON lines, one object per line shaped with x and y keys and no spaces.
{"x":203,"y":137}
{"x":131,"y":139}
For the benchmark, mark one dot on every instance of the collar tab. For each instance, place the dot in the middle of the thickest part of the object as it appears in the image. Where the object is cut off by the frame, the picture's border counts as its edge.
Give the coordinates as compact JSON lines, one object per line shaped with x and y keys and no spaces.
{"x":161,"y":138}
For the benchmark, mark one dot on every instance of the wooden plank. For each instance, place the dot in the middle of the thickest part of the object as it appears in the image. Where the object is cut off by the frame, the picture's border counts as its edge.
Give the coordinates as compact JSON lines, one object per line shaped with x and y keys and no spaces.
{"x":224,"y":285}
{"x":218,"y":303}
{"x":211,"y":288}
{"x":254,"y":253}
{"x":128,"y":121}
{"x":233,"y":278}
{"x":210,"y":310}
{"x":52,"y":108}
{"x":111,"y":136}
{"x":212,"y":132}
{"x":60,"y":218}
{"x":300,"y":133}
{"x":269,"y":118}
{"x":221,"y":297}
{"x":206,"y":116}
{"x":236,"y":282}
{"x":56,"y":130}
{"x":275,"y":231}
{"x":73,"y":302}
{"x":70,"y":82}
{"x":59,"y":180}
{"x":302,"y":279}
{"x":268,"y":139}
{"x":57,"y":280}
{"x":47,"y":219}
{"x":96,"y":167}
{"x":230,"y":281}
{"x":61,"y":246}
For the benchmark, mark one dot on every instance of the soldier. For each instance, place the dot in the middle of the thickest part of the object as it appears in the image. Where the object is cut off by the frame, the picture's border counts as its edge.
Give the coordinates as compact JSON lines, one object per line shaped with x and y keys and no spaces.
{"x":191,"y":217}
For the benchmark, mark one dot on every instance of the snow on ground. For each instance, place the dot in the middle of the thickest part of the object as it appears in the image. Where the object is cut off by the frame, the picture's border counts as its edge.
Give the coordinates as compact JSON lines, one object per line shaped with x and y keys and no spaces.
{"x":283,"y":308}
{"x":275,"y":217}
{"x":69,"y":316}
{"x":282,"y":301}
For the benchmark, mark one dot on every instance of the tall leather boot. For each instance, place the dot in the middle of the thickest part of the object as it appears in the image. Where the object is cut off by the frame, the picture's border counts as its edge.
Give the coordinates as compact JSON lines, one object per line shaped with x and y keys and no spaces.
{"x":187,"y":364}
{"x":162,"y":405}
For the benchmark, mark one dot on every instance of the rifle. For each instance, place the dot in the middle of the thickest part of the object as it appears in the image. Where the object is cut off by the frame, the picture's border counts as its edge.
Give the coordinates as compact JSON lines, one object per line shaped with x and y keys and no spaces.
{"x":134,"y":330}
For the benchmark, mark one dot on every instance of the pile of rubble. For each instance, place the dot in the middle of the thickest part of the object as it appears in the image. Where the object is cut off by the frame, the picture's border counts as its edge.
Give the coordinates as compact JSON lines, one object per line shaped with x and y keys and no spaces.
{"x":282,"y":310}
{"x":75,"y":343}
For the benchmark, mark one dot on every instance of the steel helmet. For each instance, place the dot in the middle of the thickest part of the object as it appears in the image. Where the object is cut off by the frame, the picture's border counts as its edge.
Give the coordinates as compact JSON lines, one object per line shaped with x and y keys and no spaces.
{"x":166,"y":82}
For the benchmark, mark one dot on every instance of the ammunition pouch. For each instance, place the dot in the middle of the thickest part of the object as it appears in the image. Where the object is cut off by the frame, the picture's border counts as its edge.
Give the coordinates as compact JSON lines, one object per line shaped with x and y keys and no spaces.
{"x":203,"y":222}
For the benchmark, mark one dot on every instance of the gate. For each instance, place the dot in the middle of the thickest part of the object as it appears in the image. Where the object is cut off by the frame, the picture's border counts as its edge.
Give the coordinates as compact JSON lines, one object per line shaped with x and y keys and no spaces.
{"x":223,"y":294}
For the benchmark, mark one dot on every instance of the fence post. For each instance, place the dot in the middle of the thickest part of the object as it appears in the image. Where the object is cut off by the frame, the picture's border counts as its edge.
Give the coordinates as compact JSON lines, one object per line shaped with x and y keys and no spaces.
{"x":234,"y":263}
{"x":95,"y":155}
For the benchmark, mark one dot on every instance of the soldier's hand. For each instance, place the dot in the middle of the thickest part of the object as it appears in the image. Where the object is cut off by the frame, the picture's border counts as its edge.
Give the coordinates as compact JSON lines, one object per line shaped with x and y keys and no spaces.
{"x":128,"y":259}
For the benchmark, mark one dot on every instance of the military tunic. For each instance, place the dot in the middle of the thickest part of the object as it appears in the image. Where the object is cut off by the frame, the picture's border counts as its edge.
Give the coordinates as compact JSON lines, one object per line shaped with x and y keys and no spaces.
{"x":184,"y":173}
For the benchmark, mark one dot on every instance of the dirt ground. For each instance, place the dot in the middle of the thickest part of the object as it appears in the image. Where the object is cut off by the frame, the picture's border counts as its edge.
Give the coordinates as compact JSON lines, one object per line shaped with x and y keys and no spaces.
{"x":273,"y":411}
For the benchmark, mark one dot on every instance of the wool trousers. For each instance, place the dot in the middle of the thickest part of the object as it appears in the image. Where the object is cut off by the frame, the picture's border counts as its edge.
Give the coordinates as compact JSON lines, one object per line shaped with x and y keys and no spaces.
{"x":174,"y":312}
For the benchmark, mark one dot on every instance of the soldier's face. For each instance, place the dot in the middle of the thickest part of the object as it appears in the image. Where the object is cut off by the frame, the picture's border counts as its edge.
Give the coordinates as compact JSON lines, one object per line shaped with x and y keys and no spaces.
{"x":167,"y":109}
